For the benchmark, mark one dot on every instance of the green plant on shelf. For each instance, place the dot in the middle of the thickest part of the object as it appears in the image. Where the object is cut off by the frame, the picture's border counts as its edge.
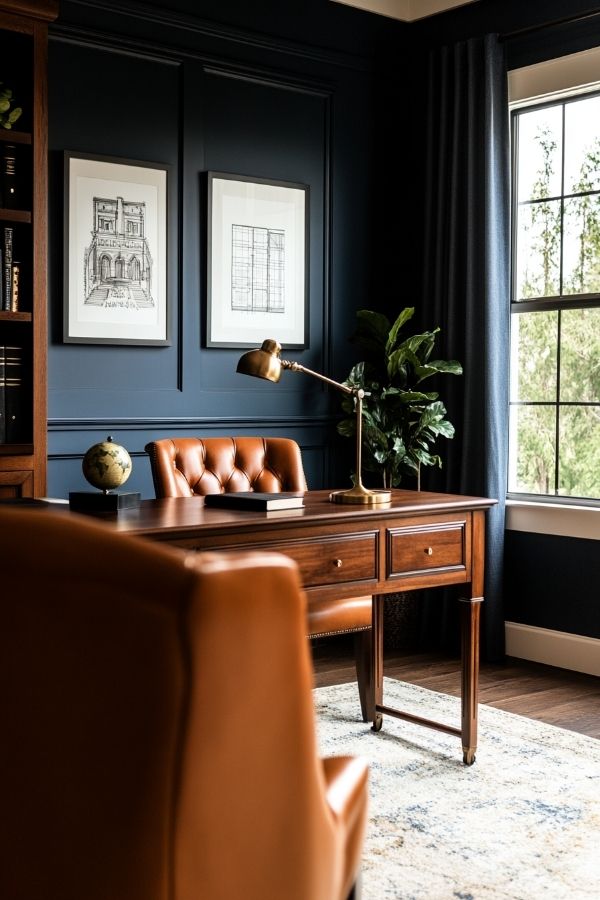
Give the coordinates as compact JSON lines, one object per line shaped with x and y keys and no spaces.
{"x":8,"y":116}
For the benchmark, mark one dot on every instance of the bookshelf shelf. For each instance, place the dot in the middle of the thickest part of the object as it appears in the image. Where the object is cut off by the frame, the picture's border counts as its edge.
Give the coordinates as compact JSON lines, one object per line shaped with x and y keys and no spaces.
{"x":6,"y":316}
{"x":15,"y":215}
{"x":16,"y":449}
{"x":24,"y":232}
{"x":15,"y":137}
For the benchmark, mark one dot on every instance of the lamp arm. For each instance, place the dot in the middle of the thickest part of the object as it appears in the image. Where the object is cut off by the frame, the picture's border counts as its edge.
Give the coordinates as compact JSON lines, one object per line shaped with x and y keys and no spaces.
{"x":297,"y":367}
{"x":358,"y":394}
{"x":266,"y":363}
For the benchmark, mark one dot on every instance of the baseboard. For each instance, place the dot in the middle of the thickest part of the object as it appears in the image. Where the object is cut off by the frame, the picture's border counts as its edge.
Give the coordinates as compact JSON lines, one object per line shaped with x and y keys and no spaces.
{"x":554,"y":648}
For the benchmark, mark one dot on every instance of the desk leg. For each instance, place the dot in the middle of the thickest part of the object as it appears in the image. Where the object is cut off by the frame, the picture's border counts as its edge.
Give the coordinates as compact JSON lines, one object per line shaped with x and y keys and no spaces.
{"x":470,"y":610}
{"x":377,"y":659}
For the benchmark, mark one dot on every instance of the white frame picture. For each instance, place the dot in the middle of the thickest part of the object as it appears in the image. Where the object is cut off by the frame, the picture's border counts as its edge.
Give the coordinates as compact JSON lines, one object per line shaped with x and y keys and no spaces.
{"x":115,"y":248}
{"x":257,"y":261}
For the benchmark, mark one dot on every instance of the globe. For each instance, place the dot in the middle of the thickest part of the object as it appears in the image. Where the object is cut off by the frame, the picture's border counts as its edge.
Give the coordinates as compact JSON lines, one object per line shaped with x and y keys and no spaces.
{"x":106,"y":465}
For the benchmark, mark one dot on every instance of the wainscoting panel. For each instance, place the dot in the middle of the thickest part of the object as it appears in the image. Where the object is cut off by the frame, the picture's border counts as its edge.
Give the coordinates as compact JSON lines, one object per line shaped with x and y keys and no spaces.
{"x":69,"y":441}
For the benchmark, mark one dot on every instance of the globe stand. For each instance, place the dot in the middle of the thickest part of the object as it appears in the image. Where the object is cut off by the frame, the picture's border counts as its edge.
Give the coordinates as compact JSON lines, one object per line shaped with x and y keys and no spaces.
{"x":102,"y":501}
{"x":106,"y":466}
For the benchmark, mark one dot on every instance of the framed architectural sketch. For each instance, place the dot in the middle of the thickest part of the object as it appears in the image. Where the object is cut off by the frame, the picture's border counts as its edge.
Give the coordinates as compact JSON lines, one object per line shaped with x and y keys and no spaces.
{"x":115,"y":248}
{"x":257,"y":262}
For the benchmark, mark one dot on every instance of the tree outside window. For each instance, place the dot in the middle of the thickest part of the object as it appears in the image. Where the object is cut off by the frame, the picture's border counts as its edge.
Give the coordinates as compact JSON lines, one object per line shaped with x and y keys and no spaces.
{"x":555,"y":346}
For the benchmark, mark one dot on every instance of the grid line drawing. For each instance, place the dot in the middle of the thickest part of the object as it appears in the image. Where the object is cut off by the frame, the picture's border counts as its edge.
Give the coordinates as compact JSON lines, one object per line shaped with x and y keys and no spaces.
{"x":257,"y":269}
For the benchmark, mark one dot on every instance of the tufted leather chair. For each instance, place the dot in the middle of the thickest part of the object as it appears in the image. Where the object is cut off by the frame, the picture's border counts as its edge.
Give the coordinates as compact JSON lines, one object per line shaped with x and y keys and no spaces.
{"x":184,"y":467}
{"x":118,"y":779}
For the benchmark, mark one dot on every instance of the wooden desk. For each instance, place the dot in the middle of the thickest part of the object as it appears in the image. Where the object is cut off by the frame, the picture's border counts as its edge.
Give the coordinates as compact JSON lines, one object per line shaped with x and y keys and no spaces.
{"x":419,"y":540}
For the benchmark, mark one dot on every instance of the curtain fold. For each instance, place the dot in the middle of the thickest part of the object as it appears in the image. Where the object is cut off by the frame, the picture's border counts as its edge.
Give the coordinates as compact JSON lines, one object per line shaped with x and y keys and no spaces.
{"x":466,"y":258}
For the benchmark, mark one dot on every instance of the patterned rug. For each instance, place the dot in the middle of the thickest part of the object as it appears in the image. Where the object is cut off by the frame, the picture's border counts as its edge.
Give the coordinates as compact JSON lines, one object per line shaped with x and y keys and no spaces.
{"x":522,"y":823}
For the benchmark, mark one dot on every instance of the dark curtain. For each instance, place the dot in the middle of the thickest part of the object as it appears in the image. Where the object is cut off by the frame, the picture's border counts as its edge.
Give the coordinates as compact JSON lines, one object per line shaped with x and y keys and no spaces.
{"x":466,"y":292}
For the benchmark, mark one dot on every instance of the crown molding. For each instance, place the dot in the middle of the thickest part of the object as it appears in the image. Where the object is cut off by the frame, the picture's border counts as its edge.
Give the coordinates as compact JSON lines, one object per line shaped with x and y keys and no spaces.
{"x":405,"y":10}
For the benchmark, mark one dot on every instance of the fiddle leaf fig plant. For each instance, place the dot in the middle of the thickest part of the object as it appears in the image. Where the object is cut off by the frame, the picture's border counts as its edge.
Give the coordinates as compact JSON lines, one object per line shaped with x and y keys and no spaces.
{"x":401,"y":421}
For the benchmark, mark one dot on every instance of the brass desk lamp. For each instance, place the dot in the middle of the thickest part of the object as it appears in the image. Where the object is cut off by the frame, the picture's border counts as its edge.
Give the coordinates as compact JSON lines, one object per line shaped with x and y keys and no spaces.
{"x":267,"y":363}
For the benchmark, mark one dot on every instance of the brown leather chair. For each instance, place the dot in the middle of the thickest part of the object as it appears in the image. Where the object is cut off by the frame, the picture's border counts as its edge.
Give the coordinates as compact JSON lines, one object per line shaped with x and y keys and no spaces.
{"x":184,"y":467}
{"x":139,"y":757}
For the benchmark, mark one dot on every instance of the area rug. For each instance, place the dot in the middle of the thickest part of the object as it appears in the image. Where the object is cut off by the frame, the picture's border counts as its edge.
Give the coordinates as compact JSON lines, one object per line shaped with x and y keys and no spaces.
{"x":522,"y":823}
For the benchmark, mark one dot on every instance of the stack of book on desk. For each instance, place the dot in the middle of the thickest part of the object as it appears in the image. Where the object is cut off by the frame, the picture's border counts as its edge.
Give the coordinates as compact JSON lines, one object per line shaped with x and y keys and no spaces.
{"x":255,"y":500}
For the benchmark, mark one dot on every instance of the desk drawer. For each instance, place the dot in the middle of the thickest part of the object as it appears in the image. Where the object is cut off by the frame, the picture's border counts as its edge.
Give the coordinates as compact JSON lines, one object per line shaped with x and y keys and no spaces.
{"x":425,"y":549}
{"x":333,"y":560}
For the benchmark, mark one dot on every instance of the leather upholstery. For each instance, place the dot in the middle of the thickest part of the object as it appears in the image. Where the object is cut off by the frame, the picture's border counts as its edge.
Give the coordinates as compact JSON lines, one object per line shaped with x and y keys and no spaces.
{"x":140,"y":759}
{"x":182,"y":467}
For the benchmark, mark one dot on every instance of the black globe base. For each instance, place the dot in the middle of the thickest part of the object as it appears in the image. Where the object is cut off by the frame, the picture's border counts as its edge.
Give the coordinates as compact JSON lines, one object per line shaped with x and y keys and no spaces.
{"x":96,"y":501}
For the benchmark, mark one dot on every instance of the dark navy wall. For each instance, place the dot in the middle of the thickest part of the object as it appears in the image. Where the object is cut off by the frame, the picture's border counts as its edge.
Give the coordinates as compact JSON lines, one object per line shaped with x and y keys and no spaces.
{"x":552,"y":582}
{"x":137,"y":81}
{"x":306,"y":91}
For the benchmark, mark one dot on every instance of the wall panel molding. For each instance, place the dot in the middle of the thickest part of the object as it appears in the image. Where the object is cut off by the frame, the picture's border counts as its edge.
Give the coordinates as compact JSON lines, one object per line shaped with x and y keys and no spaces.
{"x":218,"y":31}
{"x":173,"y":54}
{"x":69,"y":440}
{"x":162,"y":422}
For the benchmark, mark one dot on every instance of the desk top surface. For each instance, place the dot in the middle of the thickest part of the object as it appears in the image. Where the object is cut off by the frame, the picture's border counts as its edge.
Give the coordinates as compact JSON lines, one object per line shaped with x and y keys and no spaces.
{"x":188,"y":515}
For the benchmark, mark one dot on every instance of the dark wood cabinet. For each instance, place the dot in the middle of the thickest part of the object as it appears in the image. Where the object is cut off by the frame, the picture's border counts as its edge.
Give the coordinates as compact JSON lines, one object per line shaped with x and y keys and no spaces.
{"x":24,"y":224}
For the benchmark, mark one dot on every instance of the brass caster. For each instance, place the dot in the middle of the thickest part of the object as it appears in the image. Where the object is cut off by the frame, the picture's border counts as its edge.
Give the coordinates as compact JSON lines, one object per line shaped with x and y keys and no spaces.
{"x":377,"y":722}
{"x":469,"y":756}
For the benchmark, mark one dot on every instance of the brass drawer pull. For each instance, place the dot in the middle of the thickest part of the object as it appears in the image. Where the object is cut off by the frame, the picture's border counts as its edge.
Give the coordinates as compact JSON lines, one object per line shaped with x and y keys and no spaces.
{"x":337,"y":563}
{"x":429,"y":551}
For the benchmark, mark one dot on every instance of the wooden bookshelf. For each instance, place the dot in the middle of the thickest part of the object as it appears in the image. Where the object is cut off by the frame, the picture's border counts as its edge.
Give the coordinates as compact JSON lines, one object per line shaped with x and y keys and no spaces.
{"x":8,"y":316}
{"x":23,"y":68}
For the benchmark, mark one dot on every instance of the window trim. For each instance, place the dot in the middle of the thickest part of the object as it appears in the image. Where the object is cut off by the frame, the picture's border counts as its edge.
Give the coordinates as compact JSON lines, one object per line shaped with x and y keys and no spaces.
{"x":542,"y":84}
{"x":563,"y":519}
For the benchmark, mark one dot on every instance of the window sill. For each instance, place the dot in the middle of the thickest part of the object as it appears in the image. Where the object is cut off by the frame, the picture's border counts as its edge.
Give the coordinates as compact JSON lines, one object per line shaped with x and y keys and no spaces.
{"x":549,"y":518}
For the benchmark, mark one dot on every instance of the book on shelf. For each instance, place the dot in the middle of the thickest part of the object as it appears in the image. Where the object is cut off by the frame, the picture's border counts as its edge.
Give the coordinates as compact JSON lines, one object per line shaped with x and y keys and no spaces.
{"x":256,"y":500}
{"x":9,"y":190}
{"x":7,"y":263}
{"x":16,"y":420}
{"x":2,"y":391}
{"x":14,"y":287}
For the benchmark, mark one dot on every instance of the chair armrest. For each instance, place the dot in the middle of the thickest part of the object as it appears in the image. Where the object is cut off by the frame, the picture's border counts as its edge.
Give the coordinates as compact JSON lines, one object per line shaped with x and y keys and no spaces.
{"x":346,"y":780}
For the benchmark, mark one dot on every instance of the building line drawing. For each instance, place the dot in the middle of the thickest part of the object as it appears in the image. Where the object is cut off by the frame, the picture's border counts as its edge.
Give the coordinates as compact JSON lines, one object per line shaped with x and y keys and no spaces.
{"x":257,"y":269}
{"x":118,"y":263}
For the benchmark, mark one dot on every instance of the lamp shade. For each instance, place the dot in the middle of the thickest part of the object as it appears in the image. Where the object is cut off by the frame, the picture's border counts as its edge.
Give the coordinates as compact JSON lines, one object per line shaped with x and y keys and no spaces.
{"x":263,"y":363}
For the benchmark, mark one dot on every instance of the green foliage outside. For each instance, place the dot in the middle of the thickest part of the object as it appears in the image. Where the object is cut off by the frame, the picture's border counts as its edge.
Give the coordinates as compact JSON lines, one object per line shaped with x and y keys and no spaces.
{"x":400,"y":421}
{"x":569,"y":338}
{"x":8,"y":116}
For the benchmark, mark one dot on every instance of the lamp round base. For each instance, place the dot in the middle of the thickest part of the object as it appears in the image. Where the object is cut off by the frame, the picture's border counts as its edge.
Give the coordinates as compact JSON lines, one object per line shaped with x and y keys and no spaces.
{"x":360,"y":495}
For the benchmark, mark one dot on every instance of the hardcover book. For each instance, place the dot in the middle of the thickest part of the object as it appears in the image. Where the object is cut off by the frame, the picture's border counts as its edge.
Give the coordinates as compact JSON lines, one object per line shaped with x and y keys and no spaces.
{"x":17,"y":429}
{"x":14,"y":289}
{"x":7,"y":267}
{"x":255,"y":500}
{"x":2,"y":390}
{"x":10,"y":197}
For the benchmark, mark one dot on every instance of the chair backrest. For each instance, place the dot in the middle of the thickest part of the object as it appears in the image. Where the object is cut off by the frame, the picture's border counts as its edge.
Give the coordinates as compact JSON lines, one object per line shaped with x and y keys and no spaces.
{"x":182,"y":467}
{"x":140,"y":756}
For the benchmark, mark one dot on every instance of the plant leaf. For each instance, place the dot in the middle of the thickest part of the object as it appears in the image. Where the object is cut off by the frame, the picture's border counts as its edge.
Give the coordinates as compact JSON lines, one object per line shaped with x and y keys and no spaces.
{"x":372,"y":330}
{"x":404,"y":317}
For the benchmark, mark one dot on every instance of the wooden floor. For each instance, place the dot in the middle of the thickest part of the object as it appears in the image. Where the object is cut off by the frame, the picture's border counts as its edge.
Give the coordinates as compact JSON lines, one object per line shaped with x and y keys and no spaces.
{"x":556,"y":696}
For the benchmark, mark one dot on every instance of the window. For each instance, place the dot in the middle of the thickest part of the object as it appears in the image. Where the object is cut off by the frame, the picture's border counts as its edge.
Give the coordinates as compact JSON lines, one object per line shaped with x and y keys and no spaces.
{"x":555,"y":343}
